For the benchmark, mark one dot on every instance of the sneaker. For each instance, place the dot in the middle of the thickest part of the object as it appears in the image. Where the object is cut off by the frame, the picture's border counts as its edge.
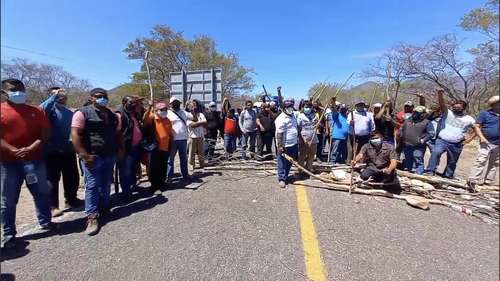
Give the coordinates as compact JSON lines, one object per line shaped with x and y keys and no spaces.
{"x":282,"y":184}
{"x":46,"y":226}
{"x":9,"y":244}
{"x":56,"y":212}
{"x":92,"y":225}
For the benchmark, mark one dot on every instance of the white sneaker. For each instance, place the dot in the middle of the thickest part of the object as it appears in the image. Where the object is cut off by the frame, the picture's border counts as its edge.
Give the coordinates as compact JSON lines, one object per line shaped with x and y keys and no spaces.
{"x":282,"y":184}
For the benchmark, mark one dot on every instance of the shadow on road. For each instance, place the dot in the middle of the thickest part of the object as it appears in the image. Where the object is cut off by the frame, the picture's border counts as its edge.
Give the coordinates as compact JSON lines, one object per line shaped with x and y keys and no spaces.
{"x":18,"y":251}
{"x":7,"y":277}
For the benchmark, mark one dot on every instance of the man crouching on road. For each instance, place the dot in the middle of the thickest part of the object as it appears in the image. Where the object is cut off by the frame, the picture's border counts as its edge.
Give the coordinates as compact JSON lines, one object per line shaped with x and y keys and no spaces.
{"x":286,"y":140}
{"x":95,"y":134}
{"x":380,"y":158}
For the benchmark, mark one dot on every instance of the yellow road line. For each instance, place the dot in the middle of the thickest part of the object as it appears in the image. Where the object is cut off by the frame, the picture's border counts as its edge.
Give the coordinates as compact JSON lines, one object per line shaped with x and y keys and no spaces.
{"x":314,"y":264}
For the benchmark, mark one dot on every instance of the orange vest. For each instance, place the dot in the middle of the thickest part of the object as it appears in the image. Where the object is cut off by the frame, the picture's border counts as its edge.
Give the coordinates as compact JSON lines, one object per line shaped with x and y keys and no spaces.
{"x":163,"y":132}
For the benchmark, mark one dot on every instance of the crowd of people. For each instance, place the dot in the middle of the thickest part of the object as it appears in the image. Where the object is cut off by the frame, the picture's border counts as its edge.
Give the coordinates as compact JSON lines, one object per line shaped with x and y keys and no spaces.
{"x":39,"y":144}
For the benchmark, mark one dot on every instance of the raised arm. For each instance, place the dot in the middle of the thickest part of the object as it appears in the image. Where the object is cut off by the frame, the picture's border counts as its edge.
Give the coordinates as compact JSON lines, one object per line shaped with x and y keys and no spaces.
{"x":442,"y":104}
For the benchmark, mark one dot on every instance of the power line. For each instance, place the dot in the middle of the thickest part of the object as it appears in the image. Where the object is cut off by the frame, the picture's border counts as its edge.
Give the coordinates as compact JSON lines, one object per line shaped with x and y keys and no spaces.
{"x":34,"y":52}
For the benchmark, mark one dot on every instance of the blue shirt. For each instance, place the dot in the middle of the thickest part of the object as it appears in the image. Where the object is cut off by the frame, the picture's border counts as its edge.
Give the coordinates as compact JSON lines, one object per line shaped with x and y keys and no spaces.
{"x":339,"y":126}
{"x":489,"y":126}
{"x":60,"y":119}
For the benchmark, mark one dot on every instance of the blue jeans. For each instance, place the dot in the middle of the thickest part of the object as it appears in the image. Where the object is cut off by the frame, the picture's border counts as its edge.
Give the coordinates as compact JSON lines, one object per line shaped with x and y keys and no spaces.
{"x":414,"y":158}
{"x":98,"y":180}
{"x":128,"y":169}
{"x":229,"y":143}
{"x":284,"y":165}
{"x":181,"y":147}
{"x":248,"y":143}
{"x":338,"y":151}
{"x":452,"y":150}
{"x":12,"y":177}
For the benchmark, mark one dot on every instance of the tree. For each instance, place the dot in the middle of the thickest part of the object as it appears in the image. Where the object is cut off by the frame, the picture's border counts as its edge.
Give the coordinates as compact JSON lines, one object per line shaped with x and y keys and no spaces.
{"x":38,"y":77}
{"x":484,"y":20}
{"x":170,"y":51}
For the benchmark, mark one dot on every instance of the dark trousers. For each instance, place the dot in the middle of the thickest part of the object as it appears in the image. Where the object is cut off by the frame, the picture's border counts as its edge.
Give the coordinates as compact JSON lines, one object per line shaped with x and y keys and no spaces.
{"x":158,"y":168}
{"x":211,"y":139}
{"x":319,"y":148}
{"x":360,"y":141}
{"x":376,"y":174}
{"x":62,"y":163}
{"x":265,"y":145}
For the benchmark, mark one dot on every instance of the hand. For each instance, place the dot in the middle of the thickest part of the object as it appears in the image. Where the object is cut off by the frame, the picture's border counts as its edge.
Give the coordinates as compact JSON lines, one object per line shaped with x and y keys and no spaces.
{"x":281,"y":149}
{"x":354,"y":162}
{"x":386,"y":171}
{"x":351,"y":122}
{"x":440,"y":91}
{"x":21,"y":152}
{"x":484,"y":141}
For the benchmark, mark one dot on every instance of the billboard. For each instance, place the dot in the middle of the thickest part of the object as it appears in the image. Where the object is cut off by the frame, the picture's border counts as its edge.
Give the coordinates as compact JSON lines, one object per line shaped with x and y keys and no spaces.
{"x":202,"y":85}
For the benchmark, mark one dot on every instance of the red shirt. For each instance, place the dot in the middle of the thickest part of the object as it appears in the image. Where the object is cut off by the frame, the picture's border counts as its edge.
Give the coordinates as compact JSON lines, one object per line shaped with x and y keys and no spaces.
{"x":231,"y":127}
{"x":20,"y":126}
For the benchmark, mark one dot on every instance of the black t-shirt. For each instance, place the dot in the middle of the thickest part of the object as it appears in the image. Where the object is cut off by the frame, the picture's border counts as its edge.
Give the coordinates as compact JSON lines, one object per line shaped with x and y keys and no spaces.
{"x":267,"y":122}
{"x":385,"y":126}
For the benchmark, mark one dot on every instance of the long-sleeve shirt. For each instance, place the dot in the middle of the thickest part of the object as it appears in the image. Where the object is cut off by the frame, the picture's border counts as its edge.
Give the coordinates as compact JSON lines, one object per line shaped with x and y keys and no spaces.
{"x":60,"y":119}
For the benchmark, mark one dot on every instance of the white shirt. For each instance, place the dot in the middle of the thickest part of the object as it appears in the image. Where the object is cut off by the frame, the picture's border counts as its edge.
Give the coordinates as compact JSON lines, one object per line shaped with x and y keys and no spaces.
{"x":307,"y":127}
{"x":196,"y":132}
{"x":287,"y":125}
{"x":456,"y":127}
{"x":363,"y":123}
{"x":179,"y":126}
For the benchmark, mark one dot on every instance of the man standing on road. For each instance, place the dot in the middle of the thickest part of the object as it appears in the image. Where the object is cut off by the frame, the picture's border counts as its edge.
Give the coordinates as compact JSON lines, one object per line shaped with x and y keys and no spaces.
{"x":380,"y":159}
{"x":248,"y":126}
{"x":487,"y":160}
{"x":24,"y":129}
{"x":286,"y":141}
{"x":265,"y":124}
{"x":214,"y":127}
{"x":308,"y":139}
{"x":60,"y":156}
{"x":131,"y":134}
{"x":339,"y":130}
{"x":156,"y":120}
{"x":363,"y":124}
{"x":452,"y":137}
{"x":96,"y":137}
{"x":415,"y":133}
{"x":196,"y":128}
{"x":178,"y":118}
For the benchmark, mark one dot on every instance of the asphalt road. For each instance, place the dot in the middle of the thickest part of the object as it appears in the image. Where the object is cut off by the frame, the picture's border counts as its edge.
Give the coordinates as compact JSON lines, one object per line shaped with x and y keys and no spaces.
{"x":240,"y":226}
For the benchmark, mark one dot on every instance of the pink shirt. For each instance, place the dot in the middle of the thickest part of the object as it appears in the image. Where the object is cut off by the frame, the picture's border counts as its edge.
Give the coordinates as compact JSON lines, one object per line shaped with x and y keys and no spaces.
{"x":136,"y":133}
{"x":78,"y":121}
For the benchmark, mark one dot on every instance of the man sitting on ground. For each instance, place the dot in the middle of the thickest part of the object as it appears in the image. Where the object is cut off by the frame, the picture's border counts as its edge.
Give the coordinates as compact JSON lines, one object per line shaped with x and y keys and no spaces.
{"x":380,"y":159}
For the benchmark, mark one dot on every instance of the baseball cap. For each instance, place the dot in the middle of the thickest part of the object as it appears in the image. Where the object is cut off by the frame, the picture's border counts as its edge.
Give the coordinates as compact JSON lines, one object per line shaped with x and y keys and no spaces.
{"x":98,"y":90}
{"x":160,"y":106}
{"x":211,"y":104}
{"x":359,"y":102}
{"x":409,"y":103}
{"x":288,"y":103}
{"x":420,"y":109}
{"x":172,"y":99}
{"x":377,"y":105}
{"x":493,"y":100}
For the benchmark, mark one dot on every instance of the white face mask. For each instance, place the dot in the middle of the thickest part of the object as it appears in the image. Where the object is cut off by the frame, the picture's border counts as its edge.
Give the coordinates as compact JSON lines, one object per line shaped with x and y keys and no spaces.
{"x":163,"y":114}
{"x":289,"y":110}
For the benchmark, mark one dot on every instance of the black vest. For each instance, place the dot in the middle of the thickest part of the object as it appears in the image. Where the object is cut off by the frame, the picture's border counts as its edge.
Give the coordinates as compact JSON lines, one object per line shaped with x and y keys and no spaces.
{"x":127,"y":128}
{"x":99,"y":137}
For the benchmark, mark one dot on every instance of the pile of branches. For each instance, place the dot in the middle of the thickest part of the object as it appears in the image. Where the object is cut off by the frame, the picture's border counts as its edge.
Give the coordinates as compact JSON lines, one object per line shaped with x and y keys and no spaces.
{"x":417,"y":190}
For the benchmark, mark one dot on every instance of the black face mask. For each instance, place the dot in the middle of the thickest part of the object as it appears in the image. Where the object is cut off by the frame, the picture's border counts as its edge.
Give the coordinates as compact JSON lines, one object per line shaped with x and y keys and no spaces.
{"x":176,"y":106}
{"x":416,"y":116}
{"x":457,"y":112}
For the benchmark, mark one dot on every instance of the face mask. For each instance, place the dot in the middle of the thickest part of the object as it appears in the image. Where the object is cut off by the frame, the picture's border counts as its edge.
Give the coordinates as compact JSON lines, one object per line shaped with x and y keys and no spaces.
{"x":163,"y":114}
{"x":376,"y":142}
{"x":360,"y":109}
{"x":102,"y":101}
{"x":17,"y":97}
{"x":343,"y":111}
{"x":289,"y":110}
{"x":416,"y":116}
{"x":212,"y":109}
{"x":130,"y":107}
{"x":457,"y":112}
{"x":307,"y":110}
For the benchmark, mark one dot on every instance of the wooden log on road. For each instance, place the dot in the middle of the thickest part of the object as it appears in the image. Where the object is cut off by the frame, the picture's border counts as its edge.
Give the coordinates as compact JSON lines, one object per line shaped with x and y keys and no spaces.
{"x":432,"y":180}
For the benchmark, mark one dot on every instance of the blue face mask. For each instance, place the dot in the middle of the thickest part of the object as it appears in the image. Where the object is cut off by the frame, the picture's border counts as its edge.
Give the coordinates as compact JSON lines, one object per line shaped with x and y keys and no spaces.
{"x":102,"y":101}
{"x":17,"y":97}
{"x":307,"y":110}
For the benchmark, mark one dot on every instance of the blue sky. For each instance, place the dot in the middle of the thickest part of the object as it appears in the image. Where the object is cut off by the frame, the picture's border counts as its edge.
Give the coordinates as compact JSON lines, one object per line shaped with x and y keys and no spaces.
{"x":288,"y":43}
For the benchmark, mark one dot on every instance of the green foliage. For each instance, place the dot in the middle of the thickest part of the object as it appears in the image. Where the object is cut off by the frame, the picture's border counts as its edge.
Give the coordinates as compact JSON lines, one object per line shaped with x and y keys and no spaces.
{"x":169,"y":51}
{"x":484,"y":20}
